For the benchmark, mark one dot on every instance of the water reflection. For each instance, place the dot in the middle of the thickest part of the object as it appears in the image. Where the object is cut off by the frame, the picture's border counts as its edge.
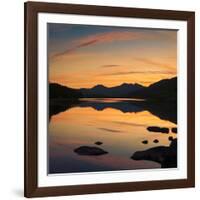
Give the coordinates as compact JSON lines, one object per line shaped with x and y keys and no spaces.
{"x":120,"y":125}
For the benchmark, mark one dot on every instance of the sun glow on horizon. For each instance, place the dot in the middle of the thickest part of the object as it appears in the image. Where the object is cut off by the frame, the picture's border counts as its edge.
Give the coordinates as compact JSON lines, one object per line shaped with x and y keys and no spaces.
{"x":82,"y":56}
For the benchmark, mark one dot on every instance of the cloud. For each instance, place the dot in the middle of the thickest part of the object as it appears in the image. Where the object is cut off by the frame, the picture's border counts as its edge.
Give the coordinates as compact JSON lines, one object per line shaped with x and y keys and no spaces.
{"x":74,"y":48}
{"x":152,"y":62}
{"x":108,"y":66}
{"x":137,"y":72}
{"x":99,"y":39}
{"x":111,"y":36}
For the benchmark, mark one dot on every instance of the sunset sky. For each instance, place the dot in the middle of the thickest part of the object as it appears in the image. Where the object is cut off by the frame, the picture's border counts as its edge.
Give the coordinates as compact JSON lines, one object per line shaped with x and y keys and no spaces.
{"x":82,"y":56}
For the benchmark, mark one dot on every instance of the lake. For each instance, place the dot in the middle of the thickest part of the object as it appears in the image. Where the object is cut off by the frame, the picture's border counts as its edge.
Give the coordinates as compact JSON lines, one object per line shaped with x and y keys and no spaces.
{"x":119,"y":124}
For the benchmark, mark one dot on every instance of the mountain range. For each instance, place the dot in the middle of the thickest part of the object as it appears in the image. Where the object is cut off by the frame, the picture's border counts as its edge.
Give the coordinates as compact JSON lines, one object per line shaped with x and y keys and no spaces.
{"x":123,"y":90}
{"x":163,"y":89}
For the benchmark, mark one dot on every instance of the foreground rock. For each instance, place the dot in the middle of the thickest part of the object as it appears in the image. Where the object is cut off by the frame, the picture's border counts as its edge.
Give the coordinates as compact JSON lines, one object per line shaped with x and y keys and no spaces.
{"x":158,"y":129}
{"x":170,"y":138}
{"x":166,"y":156}
{"x":156,"y":141}
{"x":98,"y":143}
{"x":145,"y":141}
{"x":90,"y":151}
{"x":174,"y":130}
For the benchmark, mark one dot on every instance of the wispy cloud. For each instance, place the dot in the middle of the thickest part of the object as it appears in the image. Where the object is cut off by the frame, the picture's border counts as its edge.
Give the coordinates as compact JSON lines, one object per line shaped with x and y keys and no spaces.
{"x":137,"y":72}
{"x":108,"y":66}
{"x":100,"y":38}
{"x":74,"y":48}
{"x":153,"y":62}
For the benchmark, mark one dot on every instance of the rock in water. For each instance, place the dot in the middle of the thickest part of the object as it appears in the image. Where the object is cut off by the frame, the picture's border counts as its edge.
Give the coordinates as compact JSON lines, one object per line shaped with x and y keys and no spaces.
{"x":145,"y":142}
{"x":170,"y":138}
{"x":166,"y":156}
{"x":156,"y":141}
{"x":98,"y":143}
{"x":173,"y":145}
{"x":90,"y":151}
{"x":158,"y":129}
{"x":174,"y":130}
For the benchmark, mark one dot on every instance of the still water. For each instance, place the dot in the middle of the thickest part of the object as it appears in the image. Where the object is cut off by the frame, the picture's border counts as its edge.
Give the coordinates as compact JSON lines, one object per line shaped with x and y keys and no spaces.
{"x":119,"y":124}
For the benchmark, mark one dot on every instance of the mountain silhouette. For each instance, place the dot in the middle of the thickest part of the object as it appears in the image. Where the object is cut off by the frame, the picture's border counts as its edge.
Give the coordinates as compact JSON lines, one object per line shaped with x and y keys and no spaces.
{"x":163,"y":110}
{"x":160,"y":98}
{"x":165,"y":89}
{"x":123,"y":90}
{"x":57,"y":91}
{"x":123,"y":106}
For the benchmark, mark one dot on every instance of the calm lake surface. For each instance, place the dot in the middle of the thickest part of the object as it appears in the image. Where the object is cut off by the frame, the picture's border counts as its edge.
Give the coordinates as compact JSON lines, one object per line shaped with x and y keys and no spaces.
{"x":121,"y":126}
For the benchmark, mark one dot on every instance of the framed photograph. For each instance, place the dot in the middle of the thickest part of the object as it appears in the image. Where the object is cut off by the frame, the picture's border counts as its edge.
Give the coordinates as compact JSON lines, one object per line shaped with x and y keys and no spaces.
{"x":109,"y":99}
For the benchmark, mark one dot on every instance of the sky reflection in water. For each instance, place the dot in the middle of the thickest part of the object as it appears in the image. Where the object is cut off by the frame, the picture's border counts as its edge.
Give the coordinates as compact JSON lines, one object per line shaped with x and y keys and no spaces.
{"x":120,"y":132}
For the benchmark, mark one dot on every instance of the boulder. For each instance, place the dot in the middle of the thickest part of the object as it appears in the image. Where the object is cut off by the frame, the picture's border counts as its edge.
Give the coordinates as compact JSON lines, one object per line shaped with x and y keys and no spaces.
{"x":98,"y":143}
{"x":156,"y":141}
{"x":89,"y":151}
{"x":158,"y":129}
{"x":170,"y":138}
{"x":166,"y":156}
{"x":174,"y":130}
{"x":145,"y":141}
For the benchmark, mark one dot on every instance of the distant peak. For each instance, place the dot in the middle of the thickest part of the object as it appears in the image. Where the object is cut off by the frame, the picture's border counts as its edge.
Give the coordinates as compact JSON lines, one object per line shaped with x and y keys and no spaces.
{"x":124,"y":84}
{"x":138,"y":85}
{"x":99,"y":86}
{"x":131,"y":84}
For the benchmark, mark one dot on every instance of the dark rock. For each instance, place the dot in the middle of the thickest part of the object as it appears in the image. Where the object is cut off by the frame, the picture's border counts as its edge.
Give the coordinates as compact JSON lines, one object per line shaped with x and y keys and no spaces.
{"x":170,"y":138}
{"x":174,"y":130}
{"x":145,"y":142}
{"x":89,"y":151}
{"x":158,"y":129}
{"x":98,"y":143}
{"x":173,"y":144}
{"x":156,"y":141}
{"x":166,"y":156}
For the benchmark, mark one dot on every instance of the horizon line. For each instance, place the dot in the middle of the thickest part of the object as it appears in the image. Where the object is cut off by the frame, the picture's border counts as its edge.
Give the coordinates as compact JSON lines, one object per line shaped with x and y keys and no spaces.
{"x":112,"y":86}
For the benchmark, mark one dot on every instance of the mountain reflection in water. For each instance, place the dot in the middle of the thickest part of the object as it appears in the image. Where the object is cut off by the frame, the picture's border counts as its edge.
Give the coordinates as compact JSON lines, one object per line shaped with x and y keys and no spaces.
{"x":121,"y":126}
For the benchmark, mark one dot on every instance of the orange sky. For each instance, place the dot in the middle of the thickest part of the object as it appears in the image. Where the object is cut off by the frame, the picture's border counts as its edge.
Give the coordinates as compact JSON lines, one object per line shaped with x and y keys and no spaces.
{"x":84,"y":56}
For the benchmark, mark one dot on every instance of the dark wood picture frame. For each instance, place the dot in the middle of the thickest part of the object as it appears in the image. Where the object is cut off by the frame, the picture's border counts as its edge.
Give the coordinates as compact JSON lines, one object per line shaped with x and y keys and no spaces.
{"x":30,"y":181}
